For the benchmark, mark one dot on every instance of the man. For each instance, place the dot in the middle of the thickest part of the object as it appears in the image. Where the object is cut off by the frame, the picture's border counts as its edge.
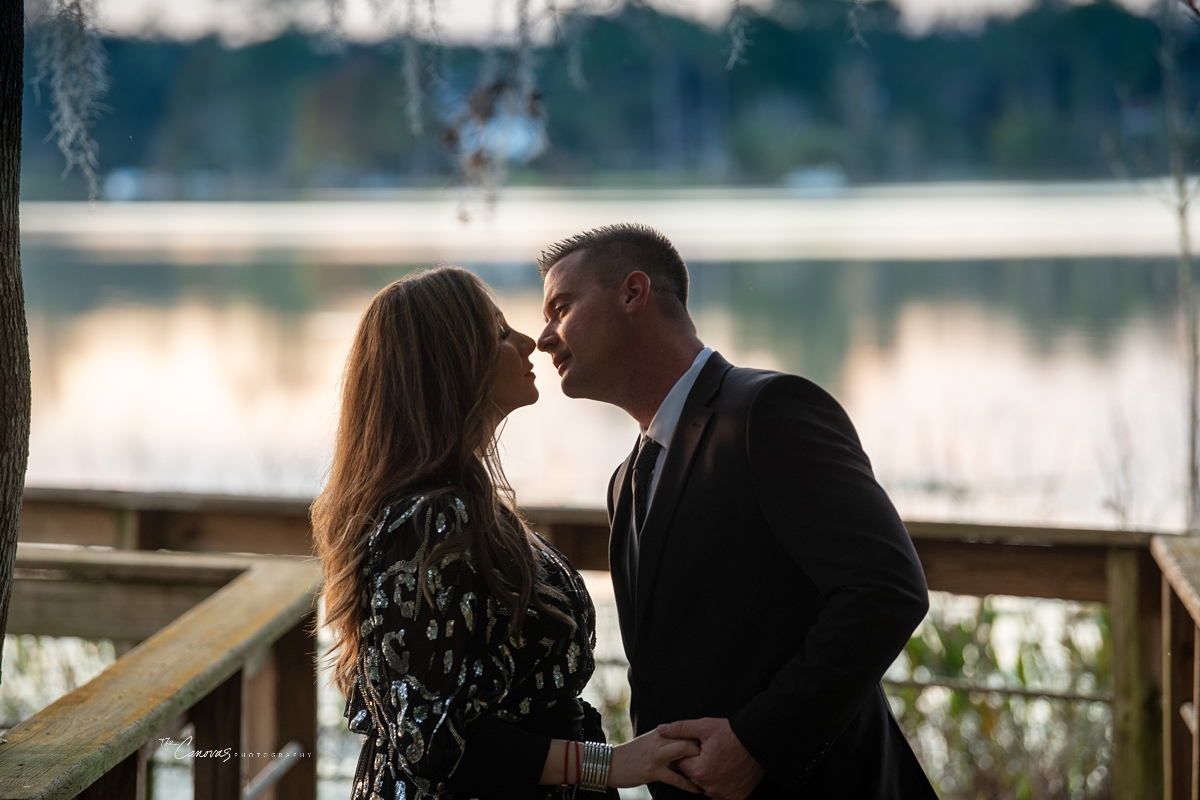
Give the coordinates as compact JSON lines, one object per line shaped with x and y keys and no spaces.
{"x":764,"y":581}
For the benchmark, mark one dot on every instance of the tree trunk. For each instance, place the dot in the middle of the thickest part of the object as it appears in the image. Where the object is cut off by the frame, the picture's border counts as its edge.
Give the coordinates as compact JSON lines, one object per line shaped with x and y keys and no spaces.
{"x":14,"y":337}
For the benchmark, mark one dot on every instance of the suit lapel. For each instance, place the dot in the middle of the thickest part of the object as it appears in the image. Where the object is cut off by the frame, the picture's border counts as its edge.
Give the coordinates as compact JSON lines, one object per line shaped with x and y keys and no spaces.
{"x":618,"y":548}
{"x":697,"y":412}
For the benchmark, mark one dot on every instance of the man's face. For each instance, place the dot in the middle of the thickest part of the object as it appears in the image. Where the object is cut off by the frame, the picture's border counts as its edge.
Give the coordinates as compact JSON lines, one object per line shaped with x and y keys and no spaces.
{"x":584,"y":323}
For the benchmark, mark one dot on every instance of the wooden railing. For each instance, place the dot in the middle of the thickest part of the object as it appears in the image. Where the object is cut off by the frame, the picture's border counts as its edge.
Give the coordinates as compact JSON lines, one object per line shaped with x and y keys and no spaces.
{"x":1179,"y":560}
{"x":1112,"y":567}
{"x":221,"y":645}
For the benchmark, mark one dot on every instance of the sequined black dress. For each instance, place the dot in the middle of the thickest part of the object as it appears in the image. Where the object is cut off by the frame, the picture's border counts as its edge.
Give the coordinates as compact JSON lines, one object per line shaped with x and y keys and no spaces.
{"x":451,"y":707}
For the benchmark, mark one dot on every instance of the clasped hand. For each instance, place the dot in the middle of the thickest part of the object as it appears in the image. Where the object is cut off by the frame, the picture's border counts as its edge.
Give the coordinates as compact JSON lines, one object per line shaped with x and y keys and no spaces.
{"x":723,"y":769}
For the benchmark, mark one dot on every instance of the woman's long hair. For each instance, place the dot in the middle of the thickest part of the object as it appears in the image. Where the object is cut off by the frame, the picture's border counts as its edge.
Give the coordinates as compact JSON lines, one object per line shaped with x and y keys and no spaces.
{"x":417,"y":417}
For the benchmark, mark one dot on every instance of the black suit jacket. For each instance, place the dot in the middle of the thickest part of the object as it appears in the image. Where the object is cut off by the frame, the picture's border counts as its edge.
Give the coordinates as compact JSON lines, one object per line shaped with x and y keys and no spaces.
{"x":775,"y":585}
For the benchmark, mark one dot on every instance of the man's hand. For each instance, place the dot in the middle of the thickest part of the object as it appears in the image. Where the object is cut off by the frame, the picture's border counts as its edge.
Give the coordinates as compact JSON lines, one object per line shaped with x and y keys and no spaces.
{"x":724,"y":769}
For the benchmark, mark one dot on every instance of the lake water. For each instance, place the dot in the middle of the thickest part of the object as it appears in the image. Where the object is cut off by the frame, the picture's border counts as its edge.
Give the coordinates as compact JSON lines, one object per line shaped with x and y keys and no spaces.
{"x":1008,"y":355}
{"x":1009,"y":388}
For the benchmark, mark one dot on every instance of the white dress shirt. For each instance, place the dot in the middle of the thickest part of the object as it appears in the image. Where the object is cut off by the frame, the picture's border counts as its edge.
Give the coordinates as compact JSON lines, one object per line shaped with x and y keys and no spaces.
{"x":666,"y":419}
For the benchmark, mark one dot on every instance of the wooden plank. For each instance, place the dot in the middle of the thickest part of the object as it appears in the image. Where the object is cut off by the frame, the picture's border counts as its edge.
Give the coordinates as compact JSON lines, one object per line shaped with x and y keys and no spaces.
{"x":43,"y":503}
{"x":126,"y":781}
{"x":67,"y":746}
{"x":1178,"y":557}
{"x":1154,"y":653}
{"x":259,"y":723}
{"x":165,"y":501}
{"x":99,"y":610}
{"x":1068,"y":573}
{"x":86,"y":525}
{"x":1137,"y":750}
{"x":131,"y":567}
{"x":217,"y":742}
{"x":1177,"y":664}
{"x":296,"y":708}
{"x":227,"y":532}
{"x":174,"y":521}
{"x":262,"y":787}
{"x":591,"y":518}
{"x":921,"y":530}
{"x":584,"y":546}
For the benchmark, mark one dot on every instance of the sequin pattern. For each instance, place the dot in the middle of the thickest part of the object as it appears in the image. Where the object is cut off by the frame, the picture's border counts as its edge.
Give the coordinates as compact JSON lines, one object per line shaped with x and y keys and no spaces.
{"x":428,"y":669}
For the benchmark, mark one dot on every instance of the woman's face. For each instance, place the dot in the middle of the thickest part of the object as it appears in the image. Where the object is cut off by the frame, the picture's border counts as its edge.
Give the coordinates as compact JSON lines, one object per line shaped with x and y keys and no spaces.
{"x":514,"y":385}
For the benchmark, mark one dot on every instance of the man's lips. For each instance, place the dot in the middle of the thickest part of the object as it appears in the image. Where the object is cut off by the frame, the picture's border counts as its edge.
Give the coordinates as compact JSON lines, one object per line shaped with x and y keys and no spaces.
{"x":558,"y":365}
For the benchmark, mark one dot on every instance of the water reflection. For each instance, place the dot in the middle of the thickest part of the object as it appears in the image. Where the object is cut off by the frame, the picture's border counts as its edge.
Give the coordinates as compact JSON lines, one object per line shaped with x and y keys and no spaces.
{"x":1046,"y":391}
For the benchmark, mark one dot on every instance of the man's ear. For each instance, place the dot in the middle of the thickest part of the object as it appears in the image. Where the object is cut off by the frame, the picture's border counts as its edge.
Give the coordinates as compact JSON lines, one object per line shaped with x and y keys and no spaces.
{"x":635,"y":292}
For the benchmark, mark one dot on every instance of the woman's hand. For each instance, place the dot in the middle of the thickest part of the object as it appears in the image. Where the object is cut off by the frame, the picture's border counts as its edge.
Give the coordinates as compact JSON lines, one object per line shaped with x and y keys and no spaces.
{"x":648,"y":758}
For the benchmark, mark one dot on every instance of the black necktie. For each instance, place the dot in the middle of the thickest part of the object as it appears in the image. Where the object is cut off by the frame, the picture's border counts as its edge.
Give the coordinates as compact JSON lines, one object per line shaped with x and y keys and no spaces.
{"x":643,"y":471}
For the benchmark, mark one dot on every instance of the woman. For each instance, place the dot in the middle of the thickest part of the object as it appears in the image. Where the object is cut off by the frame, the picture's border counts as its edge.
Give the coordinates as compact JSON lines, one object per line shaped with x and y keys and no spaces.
{"x":461,"y":638}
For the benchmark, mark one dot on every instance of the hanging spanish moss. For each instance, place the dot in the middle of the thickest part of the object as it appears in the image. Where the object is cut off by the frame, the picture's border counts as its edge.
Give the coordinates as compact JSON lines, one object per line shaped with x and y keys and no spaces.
{"x":738,"y":40}
{"x":71,"y":62}
{"x":412,"y":73}
{"x":571,"y":28}
{"x":501,"y":120}
{"x":336,"y":10}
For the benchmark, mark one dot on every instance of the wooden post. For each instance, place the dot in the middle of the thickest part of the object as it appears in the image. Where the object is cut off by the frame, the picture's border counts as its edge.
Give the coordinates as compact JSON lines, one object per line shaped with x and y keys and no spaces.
{"x":125,"y":781}
{"x":296,"y":707}
{"x":259,"y":713}
{"x":1136,"y":759}
{"x":1194,"y":759}
{"x":126,"y":528}
{"x":1179,"y":634}
{"x":217,"y":722}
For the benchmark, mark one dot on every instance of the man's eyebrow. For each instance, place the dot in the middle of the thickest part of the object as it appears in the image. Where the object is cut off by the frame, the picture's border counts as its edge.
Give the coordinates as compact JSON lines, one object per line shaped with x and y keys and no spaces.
{"x":555,"y":298}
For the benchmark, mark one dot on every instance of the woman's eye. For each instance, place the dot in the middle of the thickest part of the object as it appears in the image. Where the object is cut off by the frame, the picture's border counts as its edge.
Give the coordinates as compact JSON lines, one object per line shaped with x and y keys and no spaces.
{"x":504,"y":332}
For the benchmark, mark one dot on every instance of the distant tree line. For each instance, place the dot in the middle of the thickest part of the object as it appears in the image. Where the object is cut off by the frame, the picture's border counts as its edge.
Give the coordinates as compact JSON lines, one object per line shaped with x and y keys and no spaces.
{"x":1062,"y":91}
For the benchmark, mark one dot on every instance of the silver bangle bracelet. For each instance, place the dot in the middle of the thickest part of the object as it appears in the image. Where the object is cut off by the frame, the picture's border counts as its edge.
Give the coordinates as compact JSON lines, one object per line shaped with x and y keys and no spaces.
{"x":597,"y":760}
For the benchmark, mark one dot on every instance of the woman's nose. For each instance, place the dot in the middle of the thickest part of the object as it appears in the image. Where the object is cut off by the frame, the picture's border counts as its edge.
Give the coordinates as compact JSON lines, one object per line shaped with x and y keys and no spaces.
{"x":526,"y":345}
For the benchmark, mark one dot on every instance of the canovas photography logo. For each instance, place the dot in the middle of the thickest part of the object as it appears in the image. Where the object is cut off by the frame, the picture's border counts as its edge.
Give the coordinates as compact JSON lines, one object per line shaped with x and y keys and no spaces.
{"x":184,"y":749}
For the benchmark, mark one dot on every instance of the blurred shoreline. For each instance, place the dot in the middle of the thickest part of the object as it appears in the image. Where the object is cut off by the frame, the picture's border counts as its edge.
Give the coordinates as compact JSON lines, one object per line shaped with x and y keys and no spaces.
{"x":930,"y":221}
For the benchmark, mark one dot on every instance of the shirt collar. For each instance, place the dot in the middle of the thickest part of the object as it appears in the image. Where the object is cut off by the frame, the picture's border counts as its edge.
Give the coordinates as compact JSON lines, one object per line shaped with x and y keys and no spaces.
{"x":662,"y":427}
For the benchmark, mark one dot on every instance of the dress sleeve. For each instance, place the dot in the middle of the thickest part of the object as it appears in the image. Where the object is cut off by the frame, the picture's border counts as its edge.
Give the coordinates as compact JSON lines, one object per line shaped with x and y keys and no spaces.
{"x":431,"y":667}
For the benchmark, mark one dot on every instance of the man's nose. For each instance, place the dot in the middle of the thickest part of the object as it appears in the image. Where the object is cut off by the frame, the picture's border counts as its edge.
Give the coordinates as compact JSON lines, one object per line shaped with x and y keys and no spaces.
{"x":546,"y":341}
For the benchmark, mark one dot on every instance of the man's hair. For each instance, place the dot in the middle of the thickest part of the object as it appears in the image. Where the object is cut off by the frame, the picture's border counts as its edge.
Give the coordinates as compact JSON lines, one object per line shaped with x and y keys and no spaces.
{"x":613,"y":251}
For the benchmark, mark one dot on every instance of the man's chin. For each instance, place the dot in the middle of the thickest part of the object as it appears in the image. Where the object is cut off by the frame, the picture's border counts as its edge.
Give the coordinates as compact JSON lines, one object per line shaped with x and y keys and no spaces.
{"x":572,"y":389}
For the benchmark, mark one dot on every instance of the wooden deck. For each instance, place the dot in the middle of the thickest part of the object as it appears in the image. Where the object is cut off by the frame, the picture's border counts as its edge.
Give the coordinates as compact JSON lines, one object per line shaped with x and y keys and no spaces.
{"x":1145,"y":578}
{"x":227,"y":645}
